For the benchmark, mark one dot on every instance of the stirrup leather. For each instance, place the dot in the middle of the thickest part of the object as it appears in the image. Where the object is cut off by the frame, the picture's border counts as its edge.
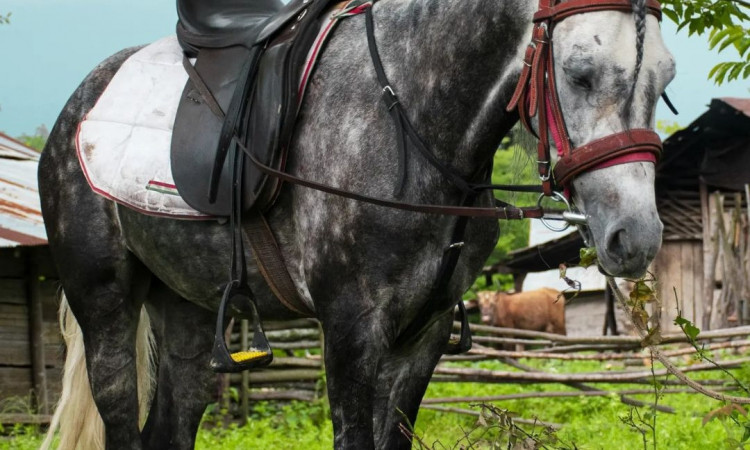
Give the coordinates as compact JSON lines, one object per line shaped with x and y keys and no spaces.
{"x":259,"y":354}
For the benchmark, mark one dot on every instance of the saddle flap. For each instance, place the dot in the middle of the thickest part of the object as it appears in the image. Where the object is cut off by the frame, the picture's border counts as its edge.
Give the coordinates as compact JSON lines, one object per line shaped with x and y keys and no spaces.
{"x":197,"y":128}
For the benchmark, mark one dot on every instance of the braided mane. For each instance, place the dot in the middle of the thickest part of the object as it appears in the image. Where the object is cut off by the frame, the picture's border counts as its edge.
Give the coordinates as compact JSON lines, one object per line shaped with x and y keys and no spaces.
{"x":639,"y":15}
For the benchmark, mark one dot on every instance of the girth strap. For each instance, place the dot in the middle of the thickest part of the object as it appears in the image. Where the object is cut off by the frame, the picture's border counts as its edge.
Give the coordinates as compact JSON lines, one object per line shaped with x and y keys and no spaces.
{"x":271,"y":264}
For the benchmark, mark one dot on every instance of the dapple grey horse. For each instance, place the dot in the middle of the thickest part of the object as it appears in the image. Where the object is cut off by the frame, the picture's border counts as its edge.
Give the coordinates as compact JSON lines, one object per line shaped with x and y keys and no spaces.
{"x":364,"y":269}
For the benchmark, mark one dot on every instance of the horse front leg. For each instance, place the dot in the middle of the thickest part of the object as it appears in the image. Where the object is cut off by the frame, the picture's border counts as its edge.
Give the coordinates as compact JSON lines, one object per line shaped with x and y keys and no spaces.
{"x":403,"y":377}
{"x":354,"y":343}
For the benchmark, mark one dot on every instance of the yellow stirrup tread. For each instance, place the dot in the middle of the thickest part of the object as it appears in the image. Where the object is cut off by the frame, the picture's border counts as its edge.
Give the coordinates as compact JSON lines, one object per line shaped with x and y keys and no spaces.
{"x":247,"y":355}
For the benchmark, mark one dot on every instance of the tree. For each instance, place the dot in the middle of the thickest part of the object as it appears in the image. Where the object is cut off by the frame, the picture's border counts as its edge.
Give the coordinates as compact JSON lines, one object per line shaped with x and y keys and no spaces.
{"x":4,"y":19}
{"x":726,"y":22}
{"x":36,"y":140}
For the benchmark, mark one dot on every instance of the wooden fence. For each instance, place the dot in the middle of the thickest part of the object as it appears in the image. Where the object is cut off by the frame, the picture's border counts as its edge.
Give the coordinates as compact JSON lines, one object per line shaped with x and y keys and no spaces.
{"x":299,"y":376}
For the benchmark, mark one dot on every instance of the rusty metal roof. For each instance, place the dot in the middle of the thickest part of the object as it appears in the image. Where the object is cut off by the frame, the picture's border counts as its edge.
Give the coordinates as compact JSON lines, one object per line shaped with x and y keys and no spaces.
{"x":740,"y":104}
{"x":20,"y":212}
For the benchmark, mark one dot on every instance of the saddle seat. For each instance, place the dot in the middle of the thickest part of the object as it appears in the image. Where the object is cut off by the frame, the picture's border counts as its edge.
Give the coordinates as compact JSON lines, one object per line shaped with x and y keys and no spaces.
{"x":223,"y":23}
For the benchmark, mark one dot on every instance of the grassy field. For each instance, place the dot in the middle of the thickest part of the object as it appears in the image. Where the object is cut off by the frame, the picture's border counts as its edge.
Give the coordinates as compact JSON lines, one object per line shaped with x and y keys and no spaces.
{"x":587,"y":422}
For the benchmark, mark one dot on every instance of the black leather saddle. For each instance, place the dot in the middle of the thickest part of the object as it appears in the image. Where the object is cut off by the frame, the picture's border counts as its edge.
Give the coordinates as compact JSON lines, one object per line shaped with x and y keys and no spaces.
{"x":243,"y":86}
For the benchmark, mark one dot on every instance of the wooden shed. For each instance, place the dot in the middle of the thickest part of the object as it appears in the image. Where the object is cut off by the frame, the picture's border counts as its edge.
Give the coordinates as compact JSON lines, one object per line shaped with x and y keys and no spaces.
{"x":703,"y":165}
{"x":31,"y":355}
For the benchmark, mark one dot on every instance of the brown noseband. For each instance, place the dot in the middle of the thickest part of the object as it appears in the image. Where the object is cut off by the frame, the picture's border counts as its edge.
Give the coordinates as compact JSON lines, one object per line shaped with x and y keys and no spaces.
{"x":536,"y":94}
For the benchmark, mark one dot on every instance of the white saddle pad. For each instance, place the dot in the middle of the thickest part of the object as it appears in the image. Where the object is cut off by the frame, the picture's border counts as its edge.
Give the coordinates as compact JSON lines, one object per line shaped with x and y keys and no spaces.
{"x":124,"y":141}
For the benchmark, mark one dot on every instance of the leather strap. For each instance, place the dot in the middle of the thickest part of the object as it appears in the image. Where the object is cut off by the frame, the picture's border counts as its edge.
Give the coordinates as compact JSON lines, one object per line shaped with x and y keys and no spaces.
{"x":271,"y":263}
{"x":605,"y":149}
{"x":509,"y":213}
{"x":564,"y":10}
{"x":203,"y":89}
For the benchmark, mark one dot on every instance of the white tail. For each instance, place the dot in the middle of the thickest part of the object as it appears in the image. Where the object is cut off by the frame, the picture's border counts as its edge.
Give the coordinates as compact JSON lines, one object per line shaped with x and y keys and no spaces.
{"x":76,"y":416}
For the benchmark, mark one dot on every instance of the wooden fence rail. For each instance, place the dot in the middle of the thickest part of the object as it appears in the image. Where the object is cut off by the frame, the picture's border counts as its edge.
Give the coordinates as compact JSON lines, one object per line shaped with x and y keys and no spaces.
{"x":299,"y":375}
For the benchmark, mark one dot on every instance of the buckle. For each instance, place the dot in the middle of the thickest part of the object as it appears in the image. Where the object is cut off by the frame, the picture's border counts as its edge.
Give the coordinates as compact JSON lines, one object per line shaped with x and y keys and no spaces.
{"x":548,"y":166}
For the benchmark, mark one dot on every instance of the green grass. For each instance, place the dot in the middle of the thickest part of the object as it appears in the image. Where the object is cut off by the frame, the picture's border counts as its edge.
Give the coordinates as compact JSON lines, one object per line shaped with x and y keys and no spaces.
{"x":588,"y":422}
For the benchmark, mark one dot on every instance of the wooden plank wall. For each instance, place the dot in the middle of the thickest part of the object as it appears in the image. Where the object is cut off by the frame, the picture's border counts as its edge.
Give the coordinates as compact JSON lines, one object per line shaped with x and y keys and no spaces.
{"x":679,"y":266}
{"x":25,"y":273}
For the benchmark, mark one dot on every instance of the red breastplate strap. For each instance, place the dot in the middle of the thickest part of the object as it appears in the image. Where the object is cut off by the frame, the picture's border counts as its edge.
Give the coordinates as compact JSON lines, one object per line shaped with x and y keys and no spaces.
{"x":536,"y":92}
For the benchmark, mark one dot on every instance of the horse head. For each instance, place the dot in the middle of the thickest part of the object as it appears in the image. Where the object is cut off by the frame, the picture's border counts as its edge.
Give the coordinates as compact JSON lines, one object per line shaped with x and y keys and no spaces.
{"x":595,"y":74}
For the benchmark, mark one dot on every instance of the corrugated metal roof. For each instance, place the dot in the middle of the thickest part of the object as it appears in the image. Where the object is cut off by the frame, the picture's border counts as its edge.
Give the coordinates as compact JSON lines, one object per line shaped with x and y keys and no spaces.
{"x":12,"y":148}
{"x":20,"y":212}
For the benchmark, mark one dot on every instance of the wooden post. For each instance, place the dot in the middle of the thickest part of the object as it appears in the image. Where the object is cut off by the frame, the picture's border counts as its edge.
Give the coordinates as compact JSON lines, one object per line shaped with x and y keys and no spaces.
{"x":36,"y":334}
{"x":245,"y":388}
{"x":723,"y":244}
{"x":518,"y":279}
{"x":322,"y":339}
{"x":710,"y":255}
{"x":610,"y":321}
{"x":745,"y":302}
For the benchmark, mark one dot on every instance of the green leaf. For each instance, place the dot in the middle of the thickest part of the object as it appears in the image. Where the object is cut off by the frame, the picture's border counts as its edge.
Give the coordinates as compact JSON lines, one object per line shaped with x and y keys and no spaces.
{"x":719,"y":72}
{"x":691,"y":331}
{"x":678,"y":8}
{"x":588,"y":256}
{"x":733,"y":35}
{"x":735,"y":71}
{"x":743,"y":45}
{"x":642,"y":293}
{"x":716,"y":37}
{"x":671,"y":15}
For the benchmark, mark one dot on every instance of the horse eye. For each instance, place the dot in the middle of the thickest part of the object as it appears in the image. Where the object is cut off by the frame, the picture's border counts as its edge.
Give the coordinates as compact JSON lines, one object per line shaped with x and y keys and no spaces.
{"x":581,"y":82}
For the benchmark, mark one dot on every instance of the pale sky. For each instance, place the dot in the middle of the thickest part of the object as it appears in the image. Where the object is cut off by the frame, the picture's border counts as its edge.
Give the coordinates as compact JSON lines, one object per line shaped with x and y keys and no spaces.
{"x":51,"y":45}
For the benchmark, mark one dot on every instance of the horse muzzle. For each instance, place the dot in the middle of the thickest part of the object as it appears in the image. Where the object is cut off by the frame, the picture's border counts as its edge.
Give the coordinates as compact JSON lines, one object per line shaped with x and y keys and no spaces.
{"x":628,"y":246}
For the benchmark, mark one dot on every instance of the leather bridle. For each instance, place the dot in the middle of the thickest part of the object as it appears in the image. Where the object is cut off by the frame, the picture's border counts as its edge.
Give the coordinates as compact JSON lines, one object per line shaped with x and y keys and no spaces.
{"x":536,"y":95}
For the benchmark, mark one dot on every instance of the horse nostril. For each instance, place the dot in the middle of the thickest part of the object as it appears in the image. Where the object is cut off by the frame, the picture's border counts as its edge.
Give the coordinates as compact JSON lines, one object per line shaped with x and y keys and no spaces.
{"x":618,"y":245}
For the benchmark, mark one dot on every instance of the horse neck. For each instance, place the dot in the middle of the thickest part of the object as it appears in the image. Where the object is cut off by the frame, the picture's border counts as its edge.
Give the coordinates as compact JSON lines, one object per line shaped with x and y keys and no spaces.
{"x":454,"y":65}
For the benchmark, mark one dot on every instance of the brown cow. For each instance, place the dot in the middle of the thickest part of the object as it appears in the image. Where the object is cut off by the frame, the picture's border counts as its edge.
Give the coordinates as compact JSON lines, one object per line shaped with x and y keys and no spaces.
{"x":538,"y":310}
